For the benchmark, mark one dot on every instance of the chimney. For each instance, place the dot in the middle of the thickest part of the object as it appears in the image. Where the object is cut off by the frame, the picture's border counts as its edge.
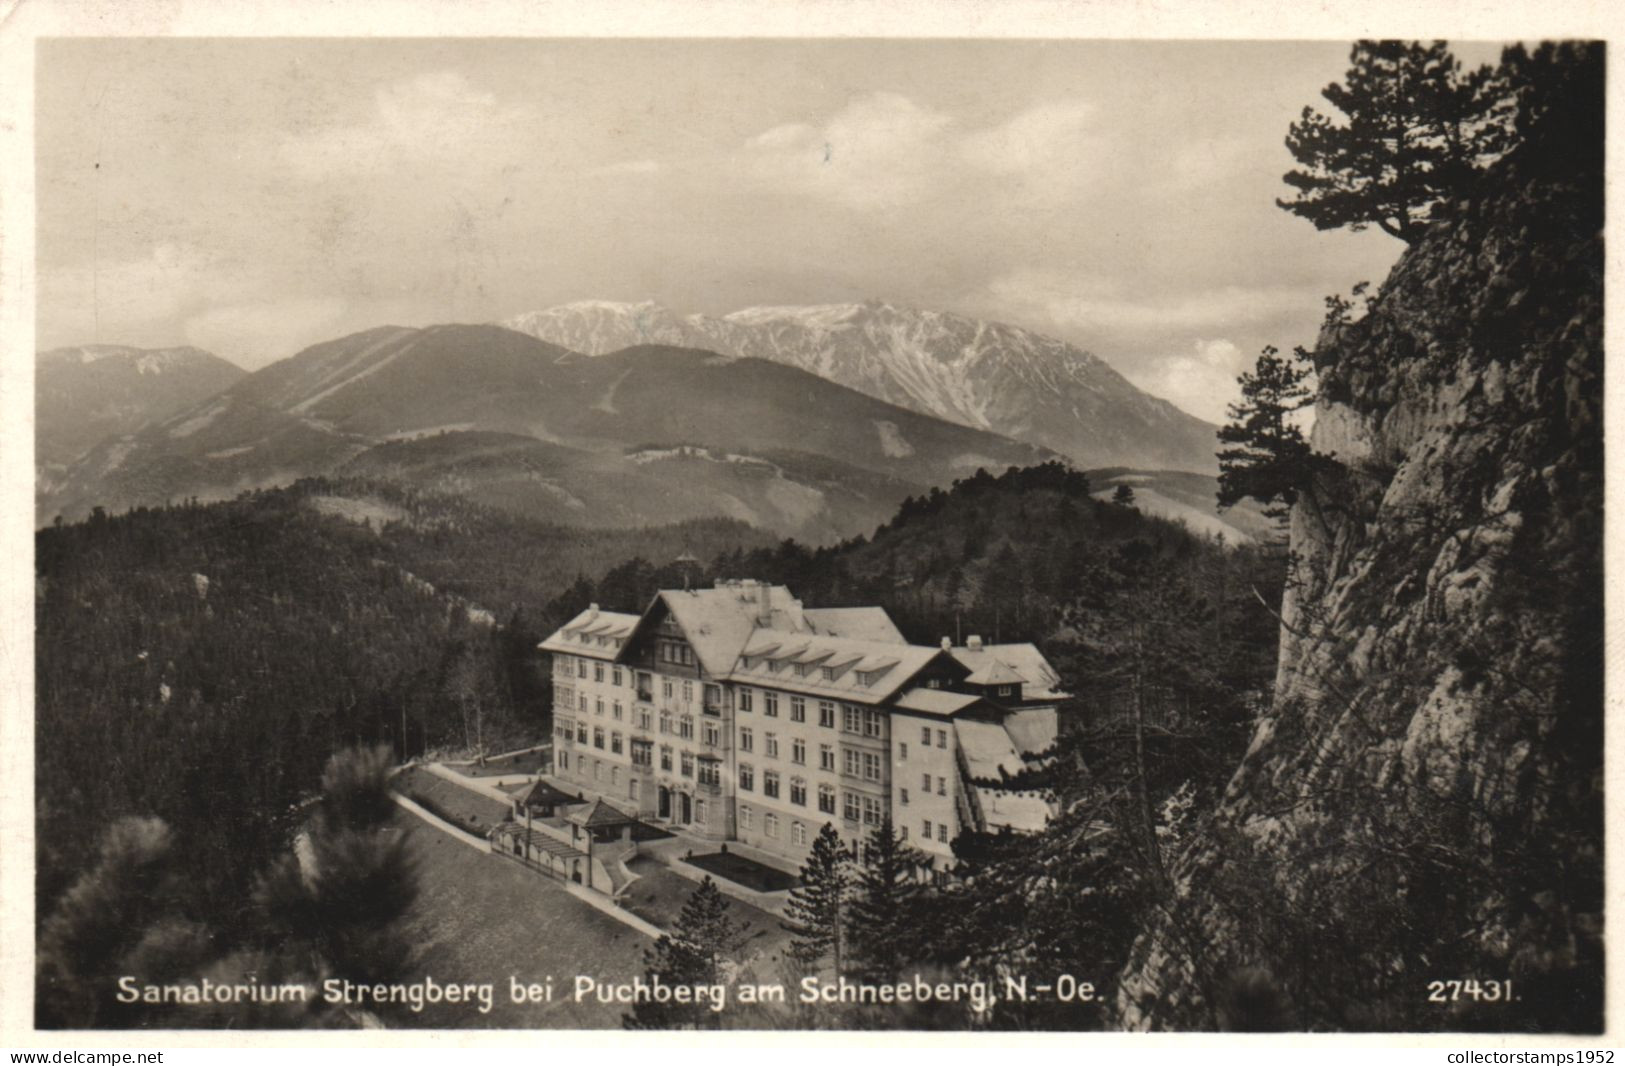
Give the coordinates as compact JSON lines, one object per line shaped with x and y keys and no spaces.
{"x":974,"y":643}
{"x":764,"y":614}
{"x":947,"y":642}
{"x":592,"y":611}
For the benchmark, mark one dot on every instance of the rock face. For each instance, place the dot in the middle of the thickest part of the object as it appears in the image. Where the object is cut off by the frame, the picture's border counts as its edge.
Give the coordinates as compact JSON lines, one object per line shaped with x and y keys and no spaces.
{"x":1424,"y":800}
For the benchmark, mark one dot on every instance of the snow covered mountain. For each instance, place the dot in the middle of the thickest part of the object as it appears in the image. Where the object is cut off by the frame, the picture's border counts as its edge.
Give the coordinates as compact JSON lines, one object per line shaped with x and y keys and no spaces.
{"x":987,"y":375}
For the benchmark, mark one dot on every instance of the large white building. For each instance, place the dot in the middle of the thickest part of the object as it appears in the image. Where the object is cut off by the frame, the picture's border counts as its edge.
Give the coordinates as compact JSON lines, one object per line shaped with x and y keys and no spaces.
{"x":737,"y":714}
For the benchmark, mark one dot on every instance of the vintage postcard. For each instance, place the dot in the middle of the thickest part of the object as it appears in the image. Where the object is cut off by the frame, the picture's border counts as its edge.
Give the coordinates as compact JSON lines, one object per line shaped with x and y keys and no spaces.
{"x":1068,"y":527}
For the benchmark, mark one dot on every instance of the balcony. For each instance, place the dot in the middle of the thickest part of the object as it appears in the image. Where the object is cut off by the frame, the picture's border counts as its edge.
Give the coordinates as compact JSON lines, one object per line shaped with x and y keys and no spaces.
{"x":712,"y":709}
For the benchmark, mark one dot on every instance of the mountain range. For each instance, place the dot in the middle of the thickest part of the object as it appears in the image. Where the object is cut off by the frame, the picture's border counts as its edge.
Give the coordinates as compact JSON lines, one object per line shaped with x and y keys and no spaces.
{"x":633,"y":416}
{"x":646,"y":435}
{"x":988,"y":375}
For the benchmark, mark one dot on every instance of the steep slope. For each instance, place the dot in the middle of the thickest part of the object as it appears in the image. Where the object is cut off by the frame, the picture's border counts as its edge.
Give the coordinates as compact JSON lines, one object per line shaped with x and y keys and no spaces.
{"x":1424,"y":801}
{"x":82,"y":395}
{"x":988,"y":375}
{"x":767,"y":443}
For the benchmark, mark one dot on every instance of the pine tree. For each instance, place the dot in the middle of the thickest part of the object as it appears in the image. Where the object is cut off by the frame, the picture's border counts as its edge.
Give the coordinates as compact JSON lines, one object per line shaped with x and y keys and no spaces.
{"x":1124,"y":496}
{"x":1414,"y":133}
{"x":817,"y":911}
{"x":691,"y":954}
{"x":884,"y":886}
{"x":1269,"y":461}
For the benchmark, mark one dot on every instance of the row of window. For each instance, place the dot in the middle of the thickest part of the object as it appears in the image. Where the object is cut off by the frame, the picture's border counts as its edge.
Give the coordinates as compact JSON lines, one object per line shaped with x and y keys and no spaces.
{"x":770,"y":825}
{"x":857,"y":720}
{"x":942,"y":831}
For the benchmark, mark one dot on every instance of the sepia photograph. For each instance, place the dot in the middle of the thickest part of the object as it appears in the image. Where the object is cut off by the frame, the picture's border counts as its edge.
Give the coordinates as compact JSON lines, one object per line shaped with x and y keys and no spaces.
{"x":1087,"y":535}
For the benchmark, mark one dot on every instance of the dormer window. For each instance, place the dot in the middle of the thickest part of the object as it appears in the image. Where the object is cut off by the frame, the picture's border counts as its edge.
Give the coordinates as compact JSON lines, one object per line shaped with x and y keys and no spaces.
{"x":1004,"y":690}
{"x":829,"y":673}
{"x":801,"y":670}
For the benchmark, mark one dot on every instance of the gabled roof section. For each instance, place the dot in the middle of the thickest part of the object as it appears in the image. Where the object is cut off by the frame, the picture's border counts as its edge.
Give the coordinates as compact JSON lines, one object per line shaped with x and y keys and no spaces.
{"x":996,"y":673}
{"x":936,"y":702}
{"x":1026,"y":662}
{"x":858,"y":623}
{"x":990,"y":753}
{"x":719,"y":621}
{"x":599,"y":814}
{"x":581,"y":635}
{"x":873,"y":671}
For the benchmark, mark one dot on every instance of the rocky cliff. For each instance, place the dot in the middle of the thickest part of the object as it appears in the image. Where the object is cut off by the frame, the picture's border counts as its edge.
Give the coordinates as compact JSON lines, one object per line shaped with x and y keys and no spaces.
{"x":1423,"y":802}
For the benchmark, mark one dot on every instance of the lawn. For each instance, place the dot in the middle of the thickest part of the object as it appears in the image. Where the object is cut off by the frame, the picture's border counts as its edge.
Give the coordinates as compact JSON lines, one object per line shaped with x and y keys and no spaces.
{"x":658,"y":895}
{"x":480,"y":917}
{"x":473,"y":811}
{"x":747,"y":872}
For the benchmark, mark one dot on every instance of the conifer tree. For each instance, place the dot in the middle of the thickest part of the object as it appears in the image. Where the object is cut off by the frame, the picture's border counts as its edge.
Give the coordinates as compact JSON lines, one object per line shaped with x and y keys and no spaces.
{"x":691,"y":954}
{"x":1268,"y":459}
{"x":1414,"y":131}
{"x":817,"y":910}
{"x":884,"y":886}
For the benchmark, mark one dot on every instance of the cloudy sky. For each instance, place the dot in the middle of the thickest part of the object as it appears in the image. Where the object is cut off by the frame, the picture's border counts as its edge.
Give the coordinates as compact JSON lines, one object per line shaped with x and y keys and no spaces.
{"x":254,"y":196}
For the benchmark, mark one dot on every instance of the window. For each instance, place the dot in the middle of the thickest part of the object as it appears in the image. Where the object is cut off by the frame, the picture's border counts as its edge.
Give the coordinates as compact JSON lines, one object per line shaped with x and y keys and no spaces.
{"x":747,"y":777}
{"x":801,"y":669}
{"x":798,"y":752}
{"x":744,"y":700}
{"x":581,"y":703}
{"x":871,"y":811}
{"x":1004,"y":690}
{"x":665,"y":759}
{"x":925,"y":736}
{"x":902,"y":750}
{"x":633,"y":787}
{"x":564,"y":760}
{"x":644,"y":686}
{"x":615,"y":775}
{"x":826,"y":714}
{"x":581,"y":732}
{"x":688,"y":692}
{"x":826,"y":799}
{"x":598,"y":737}
{"x":770,"y":784}
{"x":798,"y":792}
{"x":851,"y":761}
{"x":942,"y":832}
{"x":798,"y":709}
{"x":798,"y":833}
{"x":699,"y":811}
{"x":927,"y":829}
{"x":710,"y":772}
{"x":615,"y":743}
{"x":713,"y":734}
{"x":598,"y":707}
{"x":685,"y":727}
{"x":871,"y":766}
{"x":826,"y":757}
{"x":851,"y":719}
{"x":942,"y":786}
{"x":770,"y":704}
{"x":713,"y":698}
{"x":770,"y":745}
{"x":597,"y":770}
{"x":747,"y":818}
{"x":829,"y":673}
{"x":849,"y":806}
{"x":925,"y":783}
{"x":934,"y":682}
{"x":598,"y":671}
{"x":618,"y":677}
{"x":687,"y":767}
{"x":902,"y":832}
{"x":645,"y":719}
{"x":942,"y":738}
{"x":770,"y":825}
{"x":747,"y":740}
{"x":581,"y":668}
{"x":617,"y":710}
{"x":871,"y":723}
{"x":665,"y":687}
{"x":665,"y":721}
{"x":902,"y":796}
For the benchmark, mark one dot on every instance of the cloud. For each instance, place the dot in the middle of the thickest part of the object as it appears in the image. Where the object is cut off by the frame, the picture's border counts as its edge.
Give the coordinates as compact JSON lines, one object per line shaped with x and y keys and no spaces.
{"x":1094,"y":303}
{"x":877,"y":152}
{"x":432,"y":119}
{"x":1202,"y":382}
{"x":107,"y":298}
{"x":253,"y":334}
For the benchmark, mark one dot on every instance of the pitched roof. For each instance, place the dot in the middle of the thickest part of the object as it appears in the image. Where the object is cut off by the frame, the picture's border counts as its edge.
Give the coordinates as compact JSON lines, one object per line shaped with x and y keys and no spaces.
{"x":860,"y":623}
{"x":1039,"y":679}
{"x":580,"y":635}
{"x":995,"y":673}
{"x":718,"y":621}
{"x":1024,"y":812}
{"x":599,"y":814}
{"x":935,"y":701}
{"x":887,"y":667}
{"x":989,"y":751}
